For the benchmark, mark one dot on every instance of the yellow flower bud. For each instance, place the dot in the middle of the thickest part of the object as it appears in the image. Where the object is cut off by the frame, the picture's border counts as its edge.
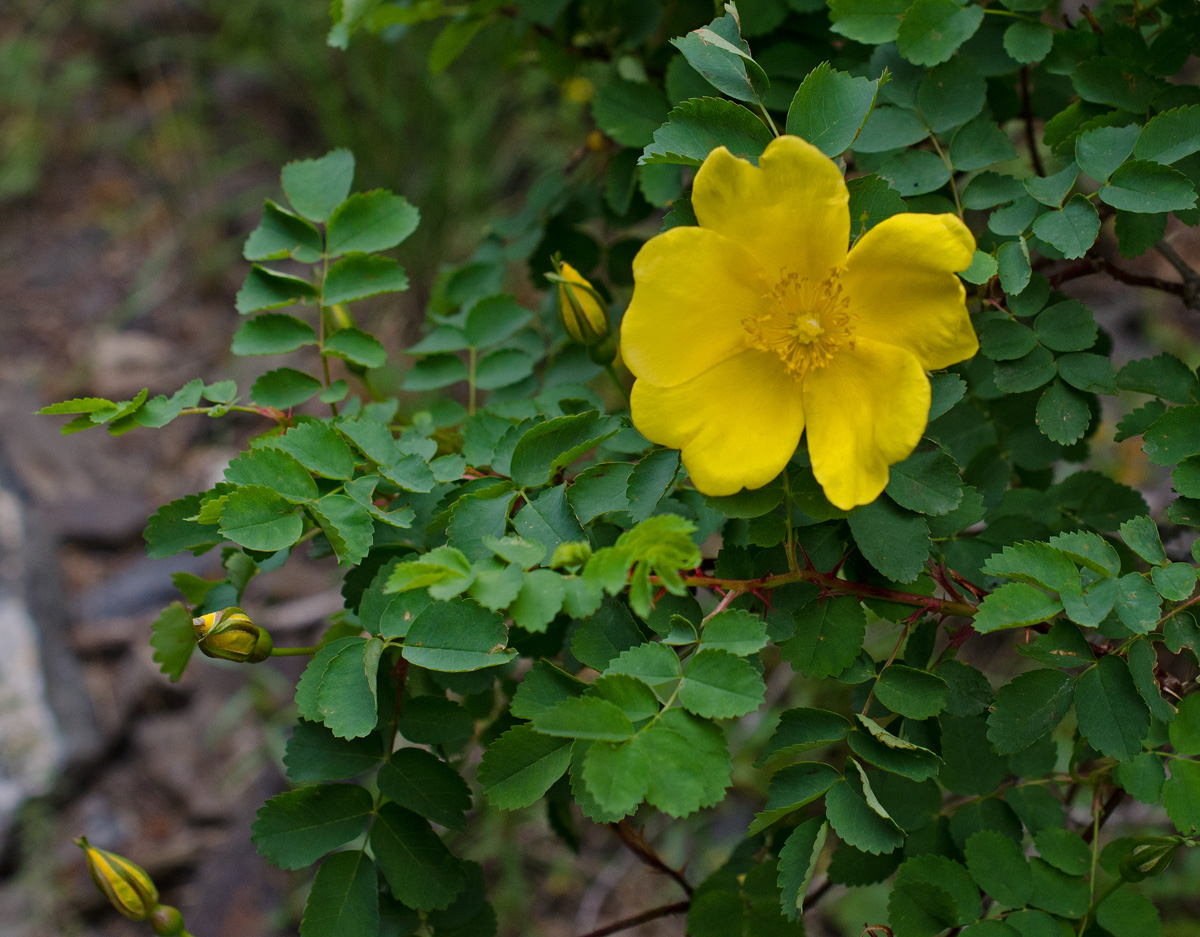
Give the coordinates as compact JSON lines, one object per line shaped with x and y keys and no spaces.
{"x":583,"y":310}
{"x":230,"y":635}
{"x":126,"y":885}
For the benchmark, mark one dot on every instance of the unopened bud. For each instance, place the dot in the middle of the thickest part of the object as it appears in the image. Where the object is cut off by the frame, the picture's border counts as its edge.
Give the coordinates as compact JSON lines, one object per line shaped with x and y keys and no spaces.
{"x":126,"y":885}
{"x":230,"y":635}
{"x":583,"y":310}
{"x":572,"y":553}
{"x":604,"y":353}
{"x":167,"y":921}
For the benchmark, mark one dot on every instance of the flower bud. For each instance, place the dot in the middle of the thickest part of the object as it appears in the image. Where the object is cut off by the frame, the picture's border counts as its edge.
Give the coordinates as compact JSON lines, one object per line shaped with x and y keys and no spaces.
{"x":167,"y":921}
{"x":604,"y":353}
{"x":572,"y":553}
{"x":126,"y":885}
{"x":230,"y":635}
{"x":583,"y":310}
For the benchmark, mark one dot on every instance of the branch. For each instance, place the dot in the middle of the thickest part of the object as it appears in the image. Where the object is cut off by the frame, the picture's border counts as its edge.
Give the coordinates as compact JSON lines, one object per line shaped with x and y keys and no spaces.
{"x":678,"y":907}
{"x":1030,"y":134}
{"x":633,"y":840}
{"x":1188,"y":291}
{"x":831,"y":583}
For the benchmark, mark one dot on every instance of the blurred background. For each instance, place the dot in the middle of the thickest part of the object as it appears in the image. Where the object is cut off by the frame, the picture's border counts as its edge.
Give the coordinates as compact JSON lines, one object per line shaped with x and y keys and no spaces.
{"x":137,"y":142}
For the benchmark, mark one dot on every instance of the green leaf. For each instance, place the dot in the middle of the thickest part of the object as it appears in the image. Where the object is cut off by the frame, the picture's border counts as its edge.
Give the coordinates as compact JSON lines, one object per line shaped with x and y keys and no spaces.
{"x":892,"y":753}
{"x":419,"y":869}
{"x":1072,"y":230}
{"x":435,"y":371}
{"x":502,"y":368}
{"x":548,"y":520}
{"x":1064,"y":850}
{"x":1058,"y":893}
{"x":1141,"y":536}
{"x":932,"y":30}
{"x":519,"y":767}
{"x":797,"y":864}
{"x":493,"y":319}
{"x":793,"y":787}
{"x":720,"y":685}
{"x":910,"y":692}
{"x":951,"y":94}
{"x":257,"y":518}
{"x":893,"y":540}
{"x":543,"y":686}
{"x":268,"y":289}
{"x":371,"y":221}
{"x":358,"y":276}
{"x":1142,"y":778}
{"x":1174,"y":436}
{"x":829,"y":108}
{"x":346,"y":699}
{"x":296,"y":828}
{"x":280,"y":235}
{"x":1028,"y":708}
{"x":971,"y":764}
{"x":1112,"y":716}
{"x":1137,"y":233}
{"x":1036,"y":563}
{"x":1185,"y":730}
{"x":444,"y":570}
{"x":1088,"y":372}
{"x":1015,"y":605}
{"x":867,"y":21}
{"x":348,"y":526}
{"x":309,"y":685}
{"x":927,"y":482}
{"x":983,"y":268}
{"x":1051,"y":190}
{"x":656,"y":665}
{"x":357,"y":347}
{"x":999,"y":867}
{"x":719,"y":54}
{"x":314,"y":753}
{"x":173,"y":640}
{"x":650,"y":481}
{"x":452,"y":42}
{"x":871,"y":201}
{"x":421,"y":782}
{"x":315,"y":187}
{"x":1090,"y":550}
{"x":1066,"y":326}
{"x":688,"y":761}
{"x":457,"y":636}
{"x":272,"y":333}
{"x":801,"y":730}
{"x":1063,"y":414}
{"x":318,"y":448}
{"x":617,"y":776}
{"x":736,"y":631}
{"x":539,"y":600}
{"x":435,"y":720}
{"x":1163,"y":376}
{"x":1101,"y":150}
{"x":1027,"y":373}
{"x":629,"y":111}
{"x":1127,"y":913}
{"x":911,"y":915}
{"x":344,"y":898}
{"x":980,"y":143}
{"x":1138,"y":603}
{"x":695,"y":128}
{"x":887,"y":128}
{"x":274,"y":469}
{"x":1012,"y":261}
{"x":547,"y":447}
{"x":827,"y":639}
{"x":915,"y":172}
{"x":1144,"y":186}
{"x":858,"y":818}
{"x":584,"y":717}
{"x":284,"y":388}
{"x":1028,"y":42}
{"x":1181,"y":795}
{"x":1170,"y":136}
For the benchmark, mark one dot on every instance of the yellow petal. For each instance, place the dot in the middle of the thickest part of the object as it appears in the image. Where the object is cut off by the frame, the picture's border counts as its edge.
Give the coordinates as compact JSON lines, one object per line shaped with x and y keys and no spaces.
{"x":737,"y":424}
{"x":900,"y":280}
{"x":866,"y":410}
{"x":693,"y":289}
{"x":790,"y":210}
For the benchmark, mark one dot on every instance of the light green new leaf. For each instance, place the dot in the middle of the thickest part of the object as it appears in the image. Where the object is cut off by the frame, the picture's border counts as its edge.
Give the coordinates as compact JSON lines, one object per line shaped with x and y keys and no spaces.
{"x":173,"y":640}
{"x":720,"y":685}
{"x":315,"y":187}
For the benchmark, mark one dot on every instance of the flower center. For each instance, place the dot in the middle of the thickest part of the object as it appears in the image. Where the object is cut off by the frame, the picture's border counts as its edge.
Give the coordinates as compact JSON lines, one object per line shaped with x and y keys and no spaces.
{"x":804,"y":321}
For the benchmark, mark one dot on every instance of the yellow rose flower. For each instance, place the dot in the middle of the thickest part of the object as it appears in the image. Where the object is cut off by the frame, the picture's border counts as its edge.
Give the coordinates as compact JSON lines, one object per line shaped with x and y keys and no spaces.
{"x":760,"y":324}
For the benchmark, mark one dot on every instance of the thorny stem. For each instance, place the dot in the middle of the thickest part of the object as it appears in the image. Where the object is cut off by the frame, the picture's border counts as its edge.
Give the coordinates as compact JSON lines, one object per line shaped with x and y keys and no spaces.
{"x":633,"y":840}
{"x":1030,"y":135}
{"x":1188,"y":291}
{"x":789,"y":545}
{"x":665,"y":910}
{"x":832,"y":583}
